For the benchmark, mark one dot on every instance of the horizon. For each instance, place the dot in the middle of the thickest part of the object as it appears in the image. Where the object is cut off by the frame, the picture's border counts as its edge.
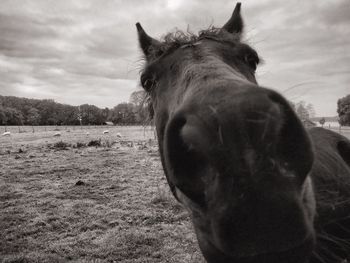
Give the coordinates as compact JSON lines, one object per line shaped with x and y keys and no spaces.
{"x":311,"y":118}
{"x":83,"y":52}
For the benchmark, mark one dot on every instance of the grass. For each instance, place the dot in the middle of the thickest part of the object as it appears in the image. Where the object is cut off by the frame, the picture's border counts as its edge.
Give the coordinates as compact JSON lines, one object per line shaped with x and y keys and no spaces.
{"x":61,"y":200}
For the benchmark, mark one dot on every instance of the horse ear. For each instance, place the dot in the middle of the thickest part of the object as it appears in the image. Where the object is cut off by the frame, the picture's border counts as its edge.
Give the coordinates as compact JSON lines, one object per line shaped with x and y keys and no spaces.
{"x":146,"y":42}
{"x":235,"y":24}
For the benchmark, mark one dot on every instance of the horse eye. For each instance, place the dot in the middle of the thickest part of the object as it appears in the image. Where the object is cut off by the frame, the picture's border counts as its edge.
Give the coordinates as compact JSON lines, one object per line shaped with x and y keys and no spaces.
{"x":252,"y":61}
{"x":147,"y":82}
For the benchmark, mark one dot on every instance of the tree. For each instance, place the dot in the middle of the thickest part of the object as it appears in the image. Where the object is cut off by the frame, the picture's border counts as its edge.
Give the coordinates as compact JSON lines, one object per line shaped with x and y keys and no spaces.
{"x":13,"y":116}
{"x":47,"y":109}
{"x":105,"y":114}
{"x":322,"y":121}
{"x":142,"y":105}
{"x":33,"y":116}
{"x":68,"y":115}
{"x":302,"y":111}
{"x":311,"y":110}
{"x":90,"y":114}
{"x":3,"y":118}
{"x":344,"y":110}
{"x":123,"y":113}
{"x":138,"y":98}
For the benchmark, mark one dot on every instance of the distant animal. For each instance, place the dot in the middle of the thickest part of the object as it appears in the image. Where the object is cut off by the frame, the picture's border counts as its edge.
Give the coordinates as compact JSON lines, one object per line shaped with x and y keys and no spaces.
{"x":260,"y":188}
{"x":6,"y":134}
{"x":118,"y":135}
{"x":57,"y":134}
{"x":106,"y":132}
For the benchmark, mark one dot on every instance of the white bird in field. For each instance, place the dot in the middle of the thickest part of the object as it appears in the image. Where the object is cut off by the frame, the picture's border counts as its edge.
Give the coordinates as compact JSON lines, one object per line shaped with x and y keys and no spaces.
{"x":6,"y":134}
{"x":57,"y":134}
{"x":106,"y":131}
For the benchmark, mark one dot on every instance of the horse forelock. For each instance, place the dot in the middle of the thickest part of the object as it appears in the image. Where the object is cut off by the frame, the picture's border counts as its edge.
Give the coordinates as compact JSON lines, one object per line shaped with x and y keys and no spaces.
{"x":178,"y":38}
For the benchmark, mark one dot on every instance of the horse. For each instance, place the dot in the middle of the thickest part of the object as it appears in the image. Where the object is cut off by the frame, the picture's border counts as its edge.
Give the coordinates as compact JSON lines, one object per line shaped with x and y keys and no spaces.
{"x":259,"y":187}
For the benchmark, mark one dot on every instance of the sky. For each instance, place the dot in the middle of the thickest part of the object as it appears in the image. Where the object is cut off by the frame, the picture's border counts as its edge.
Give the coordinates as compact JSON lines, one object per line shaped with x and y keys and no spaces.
{"x":86,"y":51}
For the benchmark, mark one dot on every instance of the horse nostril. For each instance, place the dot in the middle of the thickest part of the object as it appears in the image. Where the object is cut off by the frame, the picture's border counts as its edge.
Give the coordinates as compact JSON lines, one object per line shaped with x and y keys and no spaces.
{"x":190,"y":136}
{"x":194,"y":138}
{"x":294,"y":145}
{"x":184,"y":157}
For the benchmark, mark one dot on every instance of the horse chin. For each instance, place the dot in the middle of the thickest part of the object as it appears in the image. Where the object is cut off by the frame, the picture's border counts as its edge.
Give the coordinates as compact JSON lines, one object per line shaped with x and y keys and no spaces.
{"x":214,"y":251}
{"x":220,"y":241}
{"x":299,"y":253}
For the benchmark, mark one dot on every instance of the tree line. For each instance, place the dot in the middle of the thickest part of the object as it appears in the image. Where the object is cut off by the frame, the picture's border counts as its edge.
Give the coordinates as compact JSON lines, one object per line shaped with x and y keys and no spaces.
{"x":23,"y":111}
{"x":306,"y":111}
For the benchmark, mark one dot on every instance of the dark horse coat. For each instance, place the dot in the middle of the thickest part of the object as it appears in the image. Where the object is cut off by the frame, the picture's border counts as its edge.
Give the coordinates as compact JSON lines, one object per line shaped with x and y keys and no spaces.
{"x":260,"y":188}
{"x":331,"y":179}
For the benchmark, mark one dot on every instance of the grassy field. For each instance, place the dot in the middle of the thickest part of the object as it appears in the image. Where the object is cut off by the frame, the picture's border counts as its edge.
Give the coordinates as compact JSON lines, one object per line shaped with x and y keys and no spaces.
{"x":61,"y":200}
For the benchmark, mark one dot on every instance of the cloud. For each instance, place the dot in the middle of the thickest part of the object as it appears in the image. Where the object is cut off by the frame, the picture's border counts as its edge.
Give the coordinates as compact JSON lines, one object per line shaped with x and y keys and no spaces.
{"x":86,"y":51}
{"x":303,"y":42}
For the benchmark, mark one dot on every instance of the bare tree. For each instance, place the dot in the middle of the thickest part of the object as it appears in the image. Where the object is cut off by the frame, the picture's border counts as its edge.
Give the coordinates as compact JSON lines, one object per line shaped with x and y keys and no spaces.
{"x":138,"y":98}
{"x":302,"y":111}
{"x":322,"y":121}
{"x":311,"y":110}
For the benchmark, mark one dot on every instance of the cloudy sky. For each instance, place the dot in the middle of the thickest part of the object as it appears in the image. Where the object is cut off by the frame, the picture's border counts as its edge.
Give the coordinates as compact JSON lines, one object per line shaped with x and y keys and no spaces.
{"x":85,"y":51}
